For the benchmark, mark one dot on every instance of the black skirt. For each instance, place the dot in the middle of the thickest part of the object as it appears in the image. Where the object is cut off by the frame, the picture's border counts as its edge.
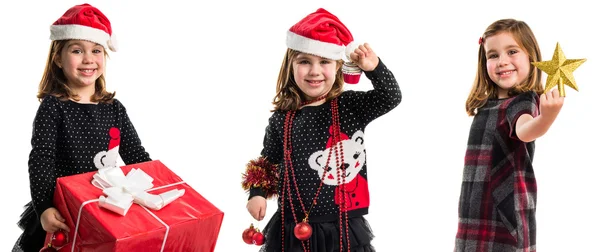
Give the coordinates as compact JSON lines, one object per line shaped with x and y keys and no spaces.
{"x":32,"y":239}
{"x":325,"y":236}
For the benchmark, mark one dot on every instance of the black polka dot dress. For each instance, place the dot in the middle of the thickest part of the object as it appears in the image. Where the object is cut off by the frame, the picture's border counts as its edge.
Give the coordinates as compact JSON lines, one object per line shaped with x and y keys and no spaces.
{"x":67,"y":136}
{"x":311,"y":144}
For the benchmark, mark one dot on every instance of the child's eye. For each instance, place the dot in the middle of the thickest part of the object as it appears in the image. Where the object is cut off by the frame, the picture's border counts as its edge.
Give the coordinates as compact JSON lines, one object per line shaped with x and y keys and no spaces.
{"x":76,"y":51}
{"x":324,"y":62}
{"x":511,"y":52}
{"x":302,"y":62}
{"x":492,"y":56}
{"x":97,"y":51}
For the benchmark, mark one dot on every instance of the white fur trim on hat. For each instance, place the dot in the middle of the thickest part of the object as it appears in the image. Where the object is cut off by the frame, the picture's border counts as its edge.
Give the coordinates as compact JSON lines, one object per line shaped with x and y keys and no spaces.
{"x":64,"y":32}
{"x":311,"y":46}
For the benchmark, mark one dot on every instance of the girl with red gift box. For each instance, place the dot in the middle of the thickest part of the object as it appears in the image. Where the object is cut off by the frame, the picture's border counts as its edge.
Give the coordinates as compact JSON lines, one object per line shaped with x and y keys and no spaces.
{"x":314,"y":157}
{"x":77,"y":121}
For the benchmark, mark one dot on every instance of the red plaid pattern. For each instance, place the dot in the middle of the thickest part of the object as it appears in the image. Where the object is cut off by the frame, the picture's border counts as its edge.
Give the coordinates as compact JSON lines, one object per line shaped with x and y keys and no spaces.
{"x":499,"y":191}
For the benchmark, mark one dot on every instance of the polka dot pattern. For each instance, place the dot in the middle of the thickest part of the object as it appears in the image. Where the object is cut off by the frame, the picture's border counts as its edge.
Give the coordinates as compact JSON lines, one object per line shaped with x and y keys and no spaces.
{"x":310,"y":134}
{"x":66,"y":137}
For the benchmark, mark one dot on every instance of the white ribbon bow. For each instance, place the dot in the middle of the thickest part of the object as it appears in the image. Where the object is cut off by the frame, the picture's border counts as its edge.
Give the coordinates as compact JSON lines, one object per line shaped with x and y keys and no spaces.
{"x":122,"y":191}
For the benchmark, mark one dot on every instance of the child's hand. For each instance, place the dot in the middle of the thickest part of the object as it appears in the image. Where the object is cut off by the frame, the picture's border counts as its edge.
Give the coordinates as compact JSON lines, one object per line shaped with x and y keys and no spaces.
{"x":257,"y":206}
{"x":52,"y":221}
{"x":550,"y":105}
{"x":364,"y":57}
{"x":528,"y":128}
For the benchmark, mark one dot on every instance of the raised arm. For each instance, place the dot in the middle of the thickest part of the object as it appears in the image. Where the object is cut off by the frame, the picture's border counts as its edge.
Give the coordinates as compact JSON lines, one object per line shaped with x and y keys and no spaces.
{"x":529,"y":128}
{"x":386,"y":94}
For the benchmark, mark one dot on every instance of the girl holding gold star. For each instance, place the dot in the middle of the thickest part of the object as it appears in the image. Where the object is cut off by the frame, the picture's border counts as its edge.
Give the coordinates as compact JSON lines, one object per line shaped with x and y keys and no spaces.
{"x":498,"y":196}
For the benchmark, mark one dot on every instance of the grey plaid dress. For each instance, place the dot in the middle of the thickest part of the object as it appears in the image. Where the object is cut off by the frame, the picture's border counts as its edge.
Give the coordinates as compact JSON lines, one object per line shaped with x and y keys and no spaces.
{"x":499,"y":191}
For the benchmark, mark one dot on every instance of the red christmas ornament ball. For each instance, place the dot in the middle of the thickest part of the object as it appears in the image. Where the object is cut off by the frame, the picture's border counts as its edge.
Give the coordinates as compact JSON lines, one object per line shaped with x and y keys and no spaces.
{"x":258,"y":238}
{"x":303,"y":231}
{"x":59,"y":239}
{"x":248,"y":234}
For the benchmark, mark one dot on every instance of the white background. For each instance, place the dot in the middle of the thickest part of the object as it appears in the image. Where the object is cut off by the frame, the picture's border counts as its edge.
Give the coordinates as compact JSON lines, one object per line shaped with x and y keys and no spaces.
{"x":198,"y":82}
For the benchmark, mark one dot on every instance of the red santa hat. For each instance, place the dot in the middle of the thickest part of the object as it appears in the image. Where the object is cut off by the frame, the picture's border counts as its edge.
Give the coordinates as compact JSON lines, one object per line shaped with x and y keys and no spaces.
{"x":84,"y":22}
{"x":322,"y":34}
{"x":107,"y":159}
{"x":330,"y":142}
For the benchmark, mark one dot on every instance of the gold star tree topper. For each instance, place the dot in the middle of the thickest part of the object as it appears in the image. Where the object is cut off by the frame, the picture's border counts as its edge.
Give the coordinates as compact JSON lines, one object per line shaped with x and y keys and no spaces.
{"x":559,"y":70}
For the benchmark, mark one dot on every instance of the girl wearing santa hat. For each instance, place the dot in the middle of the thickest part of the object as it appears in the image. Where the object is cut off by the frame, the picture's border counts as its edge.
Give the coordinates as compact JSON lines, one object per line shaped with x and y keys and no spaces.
{"x":313,"y":158}
{"x":77,"y":120}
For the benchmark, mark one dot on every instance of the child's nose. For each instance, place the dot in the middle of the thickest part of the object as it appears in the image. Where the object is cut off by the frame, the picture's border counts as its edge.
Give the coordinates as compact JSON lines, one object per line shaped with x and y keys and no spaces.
{"x":502,"y":60}
{"x":315,"y":69}
{"x":87,"y":57}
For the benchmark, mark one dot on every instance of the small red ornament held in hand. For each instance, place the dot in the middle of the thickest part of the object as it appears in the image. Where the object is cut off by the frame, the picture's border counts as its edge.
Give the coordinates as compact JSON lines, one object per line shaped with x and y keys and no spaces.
{"x":303,"y":231}
{"x":59,"y":239}
{"x":248,"y":234}
{"x":258,"y":238}
{"x":252,"y":235}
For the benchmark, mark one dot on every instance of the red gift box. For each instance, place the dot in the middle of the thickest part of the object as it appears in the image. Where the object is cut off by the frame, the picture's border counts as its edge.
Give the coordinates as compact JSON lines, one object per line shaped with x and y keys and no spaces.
{"x":190,"y":223}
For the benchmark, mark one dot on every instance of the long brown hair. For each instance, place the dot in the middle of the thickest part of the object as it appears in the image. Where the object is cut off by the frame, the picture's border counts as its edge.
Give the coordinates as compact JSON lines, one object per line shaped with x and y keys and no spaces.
{"x":288,"y":94}
{"x":54,"y":81}
{"x":483,"y":87}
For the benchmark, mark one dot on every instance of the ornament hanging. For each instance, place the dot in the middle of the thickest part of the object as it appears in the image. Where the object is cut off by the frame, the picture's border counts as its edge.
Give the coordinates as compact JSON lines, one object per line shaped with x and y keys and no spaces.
{"x":303,"y":231}
{"x":248,"y":234}
{"x":253,"y":235}
{"x":258,"y":238}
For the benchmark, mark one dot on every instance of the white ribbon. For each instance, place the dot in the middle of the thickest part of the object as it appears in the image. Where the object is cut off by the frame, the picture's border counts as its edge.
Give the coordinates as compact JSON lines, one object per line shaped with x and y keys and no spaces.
{"x":123,"y":190}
